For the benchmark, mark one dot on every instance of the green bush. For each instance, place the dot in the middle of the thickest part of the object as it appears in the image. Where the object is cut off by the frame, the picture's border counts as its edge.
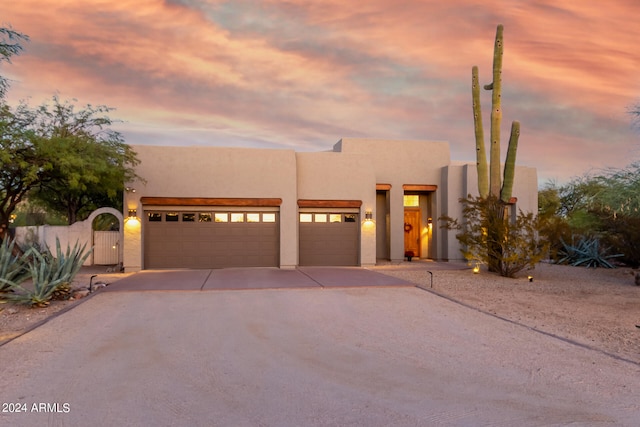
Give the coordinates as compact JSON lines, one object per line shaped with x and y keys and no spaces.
{"x":488,"y":237}
{"x":623,"y":236}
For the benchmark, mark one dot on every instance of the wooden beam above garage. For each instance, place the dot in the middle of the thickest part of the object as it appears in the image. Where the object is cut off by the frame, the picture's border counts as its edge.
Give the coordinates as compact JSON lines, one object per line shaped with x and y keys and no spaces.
{"x":208,"y":201}
{"x":383,"y":187}
{"x":302,"y":203}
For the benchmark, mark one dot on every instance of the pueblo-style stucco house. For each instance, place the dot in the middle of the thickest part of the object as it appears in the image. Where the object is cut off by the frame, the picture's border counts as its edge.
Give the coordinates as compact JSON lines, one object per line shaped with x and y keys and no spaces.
{"x":367,"y":199}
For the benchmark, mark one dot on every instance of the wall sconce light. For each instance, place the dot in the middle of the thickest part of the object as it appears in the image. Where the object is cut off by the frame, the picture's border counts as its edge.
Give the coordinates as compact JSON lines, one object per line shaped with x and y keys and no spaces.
{"x":368,"y":216}
{"x":130,"y":189}
{"x":133,"y":213}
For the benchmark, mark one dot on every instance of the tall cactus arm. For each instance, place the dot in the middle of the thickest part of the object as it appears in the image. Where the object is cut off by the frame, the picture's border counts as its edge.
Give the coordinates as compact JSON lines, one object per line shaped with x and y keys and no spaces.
{"x":496,"y":114}
{"x":481,"y":154}
{"x":510,"y":163}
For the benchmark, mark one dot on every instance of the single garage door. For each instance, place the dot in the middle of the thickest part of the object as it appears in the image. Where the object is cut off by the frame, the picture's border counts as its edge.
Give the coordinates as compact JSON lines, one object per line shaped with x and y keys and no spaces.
{"x":329,"y":239}
{"x":210,"y":239}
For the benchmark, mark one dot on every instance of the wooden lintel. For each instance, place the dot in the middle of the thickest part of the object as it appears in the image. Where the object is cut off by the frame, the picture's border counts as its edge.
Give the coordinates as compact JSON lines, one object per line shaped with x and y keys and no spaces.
{"x":329,"y":203}
{"x":419,"y":187}
{"x":208,"y":201}
{"x":383,"y":187}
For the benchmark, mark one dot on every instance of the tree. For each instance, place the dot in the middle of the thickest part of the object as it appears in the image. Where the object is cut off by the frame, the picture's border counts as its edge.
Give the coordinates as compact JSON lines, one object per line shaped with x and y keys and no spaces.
{"x":602,"y":206}
{"x":9,"y":46}
{"x":22,"y":163}
{"x":90,"y":161}
{"x":554,"y":226}
{"x":71,"y":161}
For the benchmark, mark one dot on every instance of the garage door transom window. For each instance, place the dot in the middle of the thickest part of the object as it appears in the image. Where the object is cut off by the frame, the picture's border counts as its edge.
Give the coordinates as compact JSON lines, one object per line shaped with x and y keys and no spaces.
{"x":327,"y":218}
{"x":249,"y":217}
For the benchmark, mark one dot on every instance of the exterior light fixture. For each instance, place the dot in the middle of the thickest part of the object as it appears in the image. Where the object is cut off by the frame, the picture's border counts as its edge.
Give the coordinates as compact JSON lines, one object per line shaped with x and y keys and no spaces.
{"x":133,"y":213}
{"x":130,"y":189}
{"x":476,"y":269}
{"x":430,"y":221}
{"x":368,"y":216}
{"x":530,"y":278}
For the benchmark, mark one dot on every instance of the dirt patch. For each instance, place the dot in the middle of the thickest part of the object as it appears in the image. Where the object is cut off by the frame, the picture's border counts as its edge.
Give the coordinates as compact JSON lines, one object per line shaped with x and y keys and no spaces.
{"x":15,"y":319}
{"x":599,"y":308}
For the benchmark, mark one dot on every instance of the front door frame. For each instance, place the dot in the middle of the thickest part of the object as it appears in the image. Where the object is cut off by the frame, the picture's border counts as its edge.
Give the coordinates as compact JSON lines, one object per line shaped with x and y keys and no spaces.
{"x":412,"y":223}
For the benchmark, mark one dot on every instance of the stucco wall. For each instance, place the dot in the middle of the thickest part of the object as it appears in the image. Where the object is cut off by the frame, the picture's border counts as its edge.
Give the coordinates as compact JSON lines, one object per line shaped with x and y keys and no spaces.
{"x":525,"y":186}
{"x":341,"y":176}
{"x":215,"y":172}
{"x":461,"y":180}
{"x":349,"y":172}
{"x":80,"y":232}
{"x":398,"y":163}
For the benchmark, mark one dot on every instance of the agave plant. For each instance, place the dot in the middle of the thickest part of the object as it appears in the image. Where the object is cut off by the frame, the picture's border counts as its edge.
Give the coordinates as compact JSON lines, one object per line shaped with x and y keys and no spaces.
{"x":13,"y":269}
{"x":51,"y":276}
{"x":65,"y":266}
{"x":587,"y":252}
{"x":43,"y":286}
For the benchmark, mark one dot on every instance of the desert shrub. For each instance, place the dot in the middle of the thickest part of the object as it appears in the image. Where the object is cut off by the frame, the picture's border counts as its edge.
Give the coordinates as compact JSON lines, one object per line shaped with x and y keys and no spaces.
{"x":623,"y":236}
{"x":488,"y":237}
{"x":554,"y":230}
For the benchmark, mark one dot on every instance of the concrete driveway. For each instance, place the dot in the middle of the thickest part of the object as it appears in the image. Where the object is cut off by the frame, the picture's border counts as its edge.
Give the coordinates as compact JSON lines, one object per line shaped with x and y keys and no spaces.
{"x":310,"y":356}
{"x":254,"y":278}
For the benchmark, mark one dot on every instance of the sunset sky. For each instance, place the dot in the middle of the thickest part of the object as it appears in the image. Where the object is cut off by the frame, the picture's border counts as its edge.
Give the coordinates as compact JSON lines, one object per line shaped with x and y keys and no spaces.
{"x":302,"y":74}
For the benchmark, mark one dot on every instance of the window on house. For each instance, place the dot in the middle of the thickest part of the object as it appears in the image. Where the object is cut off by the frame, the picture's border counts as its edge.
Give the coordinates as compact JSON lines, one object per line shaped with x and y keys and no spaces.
{"x":155,"y":217}
{"x":188,"y":217}
{"x":221,"y":217}
{"x":350,"y":217}
{"x":171,"y":217}
{"x":237,"y":217}
{"x":306,"y":217}
{"x":320,"y":217}
{"x":253,"y":217}
{"x":204,"y":217}
{"x":268,"y":217}
{"x":412,"y":201}
{"x":335,"y":218}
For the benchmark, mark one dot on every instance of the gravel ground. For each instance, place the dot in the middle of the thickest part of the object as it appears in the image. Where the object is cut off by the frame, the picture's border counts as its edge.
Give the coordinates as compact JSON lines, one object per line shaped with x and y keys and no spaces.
{"x":15,"y":319}
{"x":371,"y":356}
{"x":598,"y":308}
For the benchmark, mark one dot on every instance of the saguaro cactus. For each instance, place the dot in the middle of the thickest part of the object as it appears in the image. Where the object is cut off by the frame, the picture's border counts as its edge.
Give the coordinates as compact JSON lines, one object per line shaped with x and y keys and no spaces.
{"x":493,"y":185}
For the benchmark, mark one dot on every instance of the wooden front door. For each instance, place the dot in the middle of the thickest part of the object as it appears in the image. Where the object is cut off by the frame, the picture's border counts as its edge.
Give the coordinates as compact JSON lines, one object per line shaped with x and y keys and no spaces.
{"x":412,"y":231}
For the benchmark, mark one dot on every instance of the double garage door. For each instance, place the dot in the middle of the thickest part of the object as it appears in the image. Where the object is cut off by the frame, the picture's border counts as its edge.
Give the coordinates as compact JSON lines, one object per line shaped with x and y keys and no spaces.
{"x":211,"y":239}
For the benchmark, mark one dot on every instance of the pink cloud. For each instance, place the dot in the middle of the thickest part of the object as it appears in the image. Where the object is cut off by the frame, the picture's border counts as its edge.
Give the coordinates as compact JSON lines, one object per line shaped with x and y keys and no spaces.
{"x":305,"y":73}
